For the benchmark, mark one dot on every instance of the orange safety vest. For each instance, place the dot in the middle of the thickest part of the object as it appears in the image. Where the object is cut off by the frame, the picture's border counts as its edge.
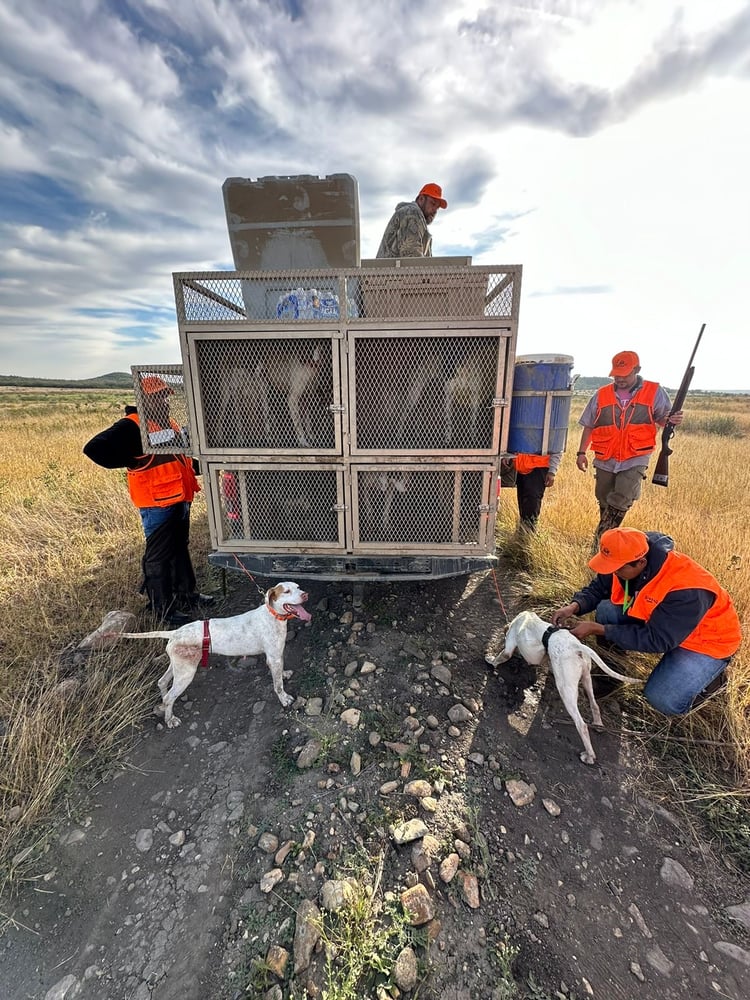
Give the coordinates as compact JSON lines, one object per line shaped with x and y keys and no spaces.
{"x":525,"y":463}
{"x":161,"y":480}
{"x":718,"y":632}
{"x":621,"y":433}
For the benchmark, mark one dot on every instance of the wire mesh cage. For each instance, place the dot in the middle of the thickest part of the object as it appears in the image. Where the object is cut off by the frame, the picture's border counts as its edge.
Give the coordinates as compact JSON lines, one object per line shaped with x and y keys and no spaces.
{"x":284,"y":505}
{"x":363,"y":295}
{"x":160,"y":398}
{"x":351,"y":413}
{"x":437,"y":506}
{"x":423,"y":392}
{"x":267,"y":393}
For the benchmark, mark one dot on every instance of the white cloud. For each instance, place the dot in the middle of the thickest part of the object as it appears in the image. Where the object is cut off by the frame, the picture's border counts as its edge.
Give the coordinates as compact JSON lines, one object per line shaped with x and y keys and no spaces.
{"x":603,"y":145}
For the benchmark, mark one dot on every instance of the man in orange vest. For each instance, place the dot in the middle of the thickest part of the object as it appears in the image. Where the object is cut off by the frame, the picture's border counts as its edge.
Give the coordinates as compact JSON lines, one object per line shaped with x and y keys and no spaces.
{"x":652,"y":599}
{"x":162,"y":487}
{"x":534,"y":474}
{"x":620,"y":424}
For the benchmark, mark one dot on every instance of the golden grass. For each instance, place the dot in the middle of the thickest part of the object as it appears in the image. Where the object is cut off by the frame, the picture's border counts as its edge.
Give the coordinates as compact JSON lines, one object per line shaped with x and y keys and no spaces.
{"x":70,"y":551}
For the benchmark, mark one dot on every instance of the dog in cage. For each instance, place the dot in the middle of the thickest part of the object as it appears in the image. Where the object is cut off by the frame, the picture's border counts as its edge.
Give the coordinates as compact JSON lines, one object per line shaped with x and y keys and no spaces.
{"x":288,"y":371}
{"x":469,"y":390}
{"x":377,"y":491}
{"x":424,"y":372}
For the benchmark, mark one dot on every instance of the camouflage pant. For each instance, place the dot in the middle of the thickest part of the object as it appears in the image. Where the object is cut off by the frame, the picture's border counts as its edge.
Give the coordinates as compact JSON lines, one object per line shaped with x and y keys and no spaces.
{"x":619,"y":489}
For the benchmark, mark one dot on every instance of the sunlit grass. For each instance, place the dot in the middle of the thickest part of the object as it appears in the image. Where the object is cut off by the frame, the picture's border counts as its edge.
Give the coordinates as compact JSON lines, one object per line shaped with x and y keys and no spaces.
{"x":71,"y":545}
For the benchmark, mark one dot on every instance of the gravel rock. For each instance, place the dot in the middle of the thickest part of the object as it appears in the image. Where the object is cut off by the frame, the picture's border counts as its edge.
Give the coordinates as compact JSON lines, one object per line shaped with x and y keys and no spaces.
{"x":520,"y":792}
{"x":459,"y":713}
{"x":405,"y":970}
{"x":418,"y":905}
{"x":673,"y":873}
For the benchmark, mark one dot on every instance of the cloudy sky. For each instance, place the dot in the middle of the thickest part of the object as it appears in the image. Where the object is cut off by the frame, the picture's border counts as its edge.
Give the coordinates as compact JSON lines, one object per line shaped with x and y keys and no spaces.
{"x":602,"y":144}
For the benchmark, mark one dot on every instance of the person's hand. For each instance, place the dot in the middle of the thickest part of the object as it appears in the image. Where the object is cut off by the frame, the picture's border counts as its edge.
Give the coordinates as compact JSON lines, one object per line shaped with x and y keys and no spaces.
{"x":506,"y":463}
{"x":562,"y":614}
{"x":549,"y":479}
{"x":587,"y":628}
{"x":582,"y":461}
{"x":676,"y":418}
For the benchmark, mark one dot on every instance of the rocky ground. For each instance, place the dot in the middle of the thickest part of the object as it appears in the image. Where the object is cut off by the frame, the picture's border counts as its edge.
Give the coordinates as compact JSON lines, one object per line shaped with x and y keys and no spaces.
{"x":429,"y":815}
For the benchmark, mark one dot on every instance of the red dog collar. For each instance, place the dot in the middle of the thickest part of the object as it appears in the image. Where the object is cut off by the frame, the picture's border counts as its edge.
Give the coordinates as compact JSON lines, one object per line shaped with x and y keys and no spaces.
{"x":281,"y":618}
{"x":206,"y":648}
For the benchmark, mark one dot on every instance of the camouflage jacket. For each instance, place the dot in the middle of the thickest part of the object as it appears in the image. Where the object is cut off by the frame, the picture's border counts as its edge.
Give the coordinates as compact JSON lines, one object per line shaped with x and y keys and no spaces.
{"x":406,"y":234}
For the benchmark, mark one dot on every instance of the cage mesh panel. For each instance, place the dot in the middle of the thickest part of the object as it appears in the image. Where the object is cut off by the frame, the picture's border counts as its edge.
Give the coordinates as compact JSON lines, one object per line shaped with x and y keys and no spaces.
{"x":174,"y":434}
{"x":278,"y":505}
{"x":305,"y":296}
{"x":424,"y":293}
{"x":437,"y":507}
{"x":266,"y":393}
{"x":416,"y":393}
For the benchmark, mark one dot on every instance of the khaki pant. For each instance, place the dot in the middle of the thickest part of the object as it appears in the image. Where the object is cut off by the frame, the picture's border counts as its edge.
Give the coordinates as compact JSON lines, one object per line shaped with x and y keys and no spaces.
{"x":619,"y":489}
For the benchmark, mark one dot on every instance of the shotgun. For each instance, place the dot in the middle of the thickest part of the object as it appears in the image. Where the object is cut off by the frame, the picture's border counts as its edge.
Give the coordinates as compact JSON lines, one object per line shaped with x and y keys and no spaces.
{"x":661,"y":472}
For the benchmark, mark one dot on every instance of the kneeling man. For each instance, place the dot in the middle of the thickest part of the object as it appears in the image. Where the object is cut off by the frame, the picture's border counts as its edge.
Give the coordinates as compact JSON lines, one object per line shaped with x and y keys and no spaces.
{"x":651,"y":599}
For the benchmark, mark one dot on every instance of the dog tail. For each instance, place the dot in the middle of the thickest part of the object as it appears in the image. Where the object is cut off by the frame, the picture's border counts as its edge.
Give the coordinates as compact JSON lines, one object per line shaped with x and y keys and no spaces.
{"x":608,"y":670}
{"x":144,"y":635}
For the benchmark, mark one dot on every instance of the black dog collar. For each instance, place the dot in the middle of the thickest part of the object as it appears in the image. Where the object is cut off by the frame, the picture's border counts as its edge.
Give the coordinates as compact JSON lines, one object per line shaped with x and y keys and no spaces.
{"x":547,"y":634}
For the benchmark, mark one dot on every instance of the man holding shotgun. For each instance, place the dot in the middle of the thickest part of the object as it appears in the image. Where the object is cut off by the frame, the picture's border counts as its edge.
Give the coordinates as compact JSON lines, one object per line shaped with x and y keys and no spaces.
{"x":620,"y":425}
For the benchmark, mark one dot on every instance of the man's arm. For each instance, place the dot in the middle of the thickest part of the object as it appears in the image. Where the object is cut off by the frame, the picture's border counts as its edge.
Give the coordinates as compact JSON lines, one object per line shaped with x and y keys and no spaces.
{"x":115,"y":447}
{"x":670,"y":624}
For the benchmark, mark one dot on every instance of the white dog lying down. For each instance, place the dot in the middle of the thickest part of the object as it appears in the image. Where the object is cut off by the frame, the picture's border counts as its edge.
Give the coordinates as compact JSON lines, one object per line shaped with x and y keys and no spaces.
{"x":262,"y":630}
{"x":570,"y":661}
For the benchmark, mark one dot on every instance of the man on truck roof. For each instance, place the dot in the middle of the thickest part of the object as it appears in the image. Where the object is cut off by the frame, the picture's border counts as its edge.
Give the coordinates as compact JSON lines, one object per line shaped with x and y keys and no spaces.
{"x":406,"y":234}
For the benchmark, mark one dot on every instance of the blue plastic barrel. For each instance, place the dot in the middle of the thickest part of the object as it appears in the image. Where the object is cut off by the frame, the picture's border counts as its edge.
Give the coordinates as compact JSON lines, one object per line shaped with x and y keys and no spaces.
{"x":542,"y":393}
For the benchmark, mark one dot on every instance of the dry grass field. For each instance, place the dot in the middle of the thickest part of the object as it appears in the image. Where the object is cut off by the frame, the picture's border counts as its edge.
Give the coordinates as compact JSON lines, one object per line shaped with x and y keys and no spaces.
{"x":70,"y":549}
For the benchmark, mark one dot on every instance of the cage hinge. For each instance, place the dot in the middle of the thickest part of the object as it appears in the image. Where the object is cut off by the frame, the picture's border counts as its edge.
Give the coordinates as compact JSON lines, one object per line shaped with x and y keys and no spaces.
{"x":339,"y":506}
{"x":484,"y":508}
{"x":336,"y":408}
{"x":499,"y":401}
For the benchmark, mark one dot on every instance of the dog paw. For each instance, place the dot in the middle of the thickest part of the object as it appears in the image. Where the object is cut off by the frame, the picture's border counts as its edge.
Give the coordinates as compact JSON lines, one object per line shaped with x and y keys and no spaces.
{"x":286,"y":699}
{"x":172,"y":723}
{"x":588,"y":758}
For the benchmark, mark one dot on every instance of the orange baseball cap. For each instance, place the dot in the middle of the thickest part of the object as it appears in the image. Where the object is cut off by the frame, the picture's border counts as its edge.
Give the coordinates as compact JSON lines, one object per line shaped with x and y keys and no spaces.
{"x":152,"y":383}
{"x":617,"y":547}
{"x":624,"y":363}
{"x":436,"y":192}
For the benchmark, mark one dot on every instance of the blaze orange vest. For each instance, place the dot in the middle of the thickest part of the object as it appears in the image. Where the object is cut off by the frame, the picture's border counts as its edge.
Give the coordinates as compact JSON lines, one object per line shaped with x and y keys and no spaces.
{"x":161,"y":480}
{"x":525,"y":463}
{"x":623,"y":433}
{"x":717,"y":634}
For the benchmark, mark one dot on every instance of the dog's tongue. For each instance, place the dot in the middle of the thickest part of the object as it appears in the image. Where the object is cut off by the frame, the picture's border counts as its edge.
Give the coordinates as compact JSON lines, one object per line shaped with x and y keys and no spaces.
{"x":302,"y":612}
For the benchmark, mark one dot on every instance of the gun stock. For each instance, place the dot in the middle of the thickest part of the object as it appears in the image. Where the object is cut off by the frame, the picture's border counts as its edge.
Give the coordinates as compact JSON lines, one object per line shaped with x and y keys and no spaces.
{"x":661,"y":471}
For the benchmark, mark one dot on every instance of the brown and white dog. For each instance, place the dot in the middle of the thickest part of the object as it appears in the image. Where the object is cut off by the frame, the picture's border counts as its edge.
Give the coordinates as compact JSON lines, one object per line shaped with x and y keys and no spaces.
{"x":262,"y":630}
{"x":570,"y":662}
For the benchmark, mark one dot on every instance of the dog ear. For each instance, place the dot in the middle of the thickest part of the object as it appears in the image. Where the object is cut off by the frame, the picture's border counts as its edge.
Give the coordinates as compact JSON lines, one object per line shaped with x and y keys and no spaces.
{"x":274,"y":593}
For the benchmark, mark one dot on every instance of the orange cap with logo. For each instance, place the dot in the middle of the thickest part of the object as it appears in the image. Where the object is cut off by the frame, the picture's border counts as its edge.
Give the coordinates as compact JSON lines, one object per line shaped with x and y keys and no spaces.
{"x":436,"y":192}
{"x":617,"y":547}
{"x":152,"y":383}
{"x":624,"y":363}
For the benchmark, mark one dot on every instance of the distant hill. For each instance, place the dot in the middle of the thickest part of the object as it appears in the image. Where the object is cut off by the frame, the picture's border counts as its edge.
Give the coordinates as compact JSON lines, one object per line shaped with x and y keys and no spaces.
{"x":114,"y":380}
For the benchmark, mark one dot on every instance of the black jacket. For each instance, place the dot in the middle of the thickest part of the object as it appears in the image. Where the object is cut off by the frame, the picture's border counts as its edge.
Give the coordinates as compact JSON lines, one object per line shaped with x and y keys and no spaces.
{"x":671,"y":622}
{"x":120,"y":445}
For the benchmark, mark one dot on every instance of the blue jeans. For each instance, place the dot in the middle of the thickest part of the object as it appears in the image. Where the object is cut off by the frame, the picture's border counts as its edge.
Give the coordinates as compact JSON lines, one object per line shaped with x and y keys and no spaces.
{"x":153,"y":517}
{"x":678,"y":677}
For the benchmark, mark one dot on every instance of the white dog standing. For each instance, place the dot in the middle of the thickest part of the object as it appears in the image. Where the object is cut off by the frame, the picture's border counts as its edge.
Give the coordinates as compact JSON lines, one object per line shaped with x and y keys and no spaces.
{"x":262,"y":630}
{"x":569,"y":660}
